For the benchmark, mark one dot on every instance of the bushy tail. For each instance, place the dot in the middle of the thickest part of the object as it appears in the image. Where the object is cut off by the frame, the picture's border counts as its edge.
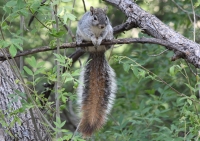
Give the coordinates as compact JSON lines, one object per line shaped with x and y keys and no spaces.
{"x":96,"y":93}
{"x":91,"y":121}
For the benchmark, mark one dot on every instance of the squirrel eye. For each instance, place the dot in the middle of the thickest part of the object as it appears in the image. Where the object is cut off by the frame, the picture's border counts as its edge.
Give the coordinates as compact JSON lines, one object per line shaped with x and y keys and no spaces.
{"x":95,"y":18}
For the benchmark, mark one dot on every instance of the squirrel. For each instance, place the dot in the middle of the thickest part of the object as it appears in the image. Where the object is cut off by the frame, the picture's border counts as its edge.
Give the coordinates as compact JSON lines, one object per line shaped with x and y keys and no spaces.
{"x":97,"y":88}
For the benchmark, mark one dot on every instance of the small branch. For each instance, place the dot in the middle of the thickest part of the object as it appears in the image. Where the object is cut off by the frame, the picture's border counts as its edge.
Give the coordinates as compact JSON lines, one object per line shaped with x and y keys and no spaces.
{"x":154,"y":55}
{"x":34,"y":14}
{"x":194,"y":32}
{"x":84,"y":5}
{"x":177,"y":55}
{"x":57,"y":83}
{"x":123,"y":27}
{"x":2,"y":33}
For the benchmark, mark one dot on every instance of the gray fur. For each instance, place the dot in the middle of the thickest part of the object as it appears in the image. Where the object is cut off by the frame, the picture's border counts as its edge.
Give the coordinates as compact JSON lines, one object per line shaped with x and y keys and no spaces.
{"x":89,"y":29}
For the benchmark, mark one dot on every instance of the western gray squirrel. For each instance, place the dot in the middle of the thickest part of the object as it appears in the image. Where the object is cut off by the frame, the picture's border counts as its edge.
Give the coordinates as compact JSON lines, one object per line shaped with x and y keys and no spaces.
{"x":97,"y":88}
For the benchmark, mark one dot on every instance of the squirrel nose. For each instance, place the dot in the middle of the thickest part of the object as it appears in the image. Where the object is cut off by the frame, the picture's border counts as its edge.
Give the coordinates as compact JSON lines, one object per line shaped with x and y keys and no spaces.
{"x":101,"y":26}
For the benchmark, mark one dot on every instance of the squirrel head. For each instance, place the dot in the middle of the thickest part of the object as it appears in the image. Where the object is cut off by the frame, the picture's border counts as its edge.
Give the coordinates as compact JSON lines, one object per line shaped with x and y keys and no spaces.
{"x":99,"y":17}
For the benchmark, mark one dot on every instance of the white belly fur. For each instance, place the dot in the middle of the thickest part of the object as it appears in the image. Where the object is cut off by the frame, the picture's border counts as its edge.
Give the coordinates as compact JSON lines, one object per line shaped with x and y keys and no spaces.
{"x":97,"y":31}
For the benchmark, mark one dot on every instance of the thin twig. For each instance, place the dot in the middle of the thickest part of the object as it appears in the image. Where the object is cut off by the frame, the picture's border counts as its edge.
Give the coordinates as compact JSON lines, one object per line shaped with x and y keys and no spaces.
{"x":74,"y":1}
{"x":22,"y":32}
{"x":57,"y":83}
{"x":194,"y":20}
{"x":159,"y":53}
{"x":40,"y":21}
{"x":2,"y":33}
{"x":190,"y":68}
{"x":84,"y":5}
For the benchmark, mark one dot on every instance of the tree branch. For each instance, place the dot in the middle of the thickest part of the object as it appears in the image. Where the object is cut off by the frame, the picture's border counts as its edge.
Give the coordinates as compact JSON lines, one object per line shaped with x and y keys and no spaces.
{"x":167,"y":44}
{"x":152,"y":26}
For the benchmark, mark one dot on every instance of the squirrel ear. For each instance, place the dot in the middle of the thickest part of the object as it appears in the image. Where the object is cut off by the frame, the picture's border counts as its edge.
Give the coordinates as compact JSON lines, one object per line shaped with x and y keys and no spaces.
{"x":105,"y":9}
{"x":92,"y":10}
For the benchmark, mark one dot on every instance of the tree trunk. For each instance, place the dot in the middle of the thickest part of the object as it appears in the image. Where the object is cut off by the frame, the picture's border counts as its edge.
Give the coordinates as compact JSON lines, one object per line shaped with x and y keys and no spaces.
{"x":16,"y":126}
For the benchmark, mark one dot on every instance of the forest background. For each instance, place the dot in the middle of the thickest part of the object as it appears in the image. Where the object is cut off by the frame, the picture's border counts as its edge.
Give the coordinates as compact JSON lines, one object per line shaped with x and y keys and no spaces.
{"x":157,"y":98}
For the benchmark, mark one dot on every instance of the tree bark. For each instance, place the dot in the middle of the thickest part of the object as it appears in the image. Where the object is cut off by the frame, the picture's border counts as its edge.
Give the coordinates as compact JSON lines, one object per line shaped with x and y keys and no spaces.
{"x":16,"y":126}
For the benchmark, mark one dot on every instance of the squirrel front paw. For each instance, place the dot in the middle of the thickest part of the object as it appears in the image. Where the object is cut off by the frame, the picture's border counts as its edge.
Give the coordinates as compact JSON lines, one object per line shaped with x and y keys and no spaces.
{"x":99,"y":41}
{"x":94,"y":41}
{"x":78,"y":42}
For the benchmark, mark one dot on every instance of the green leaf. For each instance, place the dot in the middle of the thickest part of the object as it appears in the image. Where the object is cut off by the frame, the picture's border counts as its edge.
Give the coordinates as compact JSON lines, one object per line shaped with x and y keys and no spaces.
{"x":193,"y":96}
{"x":189,"y":101}
{"x":66,"y":0}
{"x":60,"y":58}
{"x":52,"y":43}
{"x":21,"y":94}
{"x":7,"y":9}
{"x":57,"y":34}
{"x":12,"y":50}
{"x":18,"y":46}
{"x":182,"y":66}
{"x":171,"y":71}
{"x":55,"y":2}
{"x":142,"y":73}
{"x":135,"y":72}
{"x":191,"y":88}
{"x":11,"y":3}
{"x":27,"y":70}
{"x":181,"y":99}
{"x":40,"y":64}
{"x":126,"y":67}
{"x":20,"y":4}
{"x":76,"y":72}
{"x":152,"y":91}
{"x":32,"y":62}
{"x":37,"y":80}
{"x":34,"y":6}
{"x":65,"y":17}
{"x":71,"y":16}
{"x":68,"y":77}
{"x":62,"y":124}
{"x":196,"y":4}
{"x":38,"y":71}
{"x":24,"y":12}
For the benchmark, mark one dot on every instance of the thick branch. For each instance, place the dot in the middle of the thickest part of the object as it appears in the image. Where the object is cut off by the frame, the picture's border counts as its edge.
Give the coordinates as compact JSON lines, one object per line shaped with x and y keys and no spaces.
{"x":155,"y":28}
{"x":112,"y":42}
